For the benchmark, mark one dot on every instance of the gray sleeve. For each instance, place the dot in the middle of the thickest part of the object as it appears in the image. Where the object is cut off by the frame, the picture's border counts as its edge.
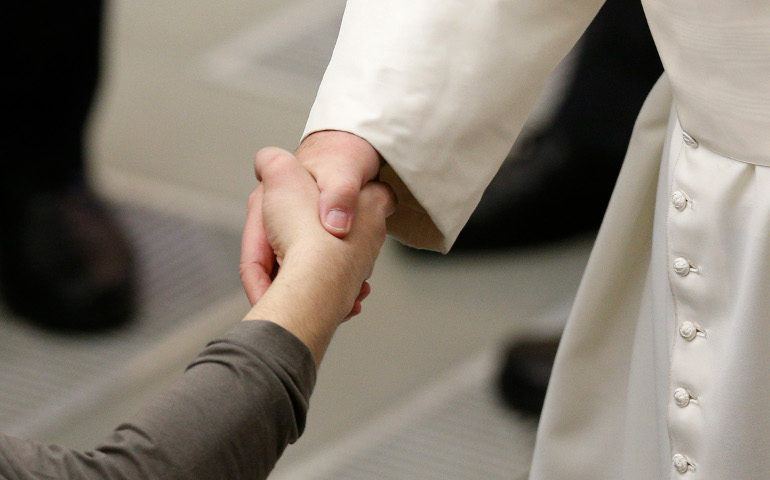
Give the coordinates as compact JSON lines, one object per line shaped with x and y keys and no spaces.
{"x":230,"y":416}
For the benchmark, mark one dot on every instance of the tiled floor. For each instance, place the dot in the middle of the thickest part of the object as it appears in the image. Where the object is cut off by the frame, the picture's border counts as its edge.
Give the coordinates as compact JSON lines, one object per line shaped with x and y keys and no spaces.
{"x":55,"y":386}
{"x":454,"y":428}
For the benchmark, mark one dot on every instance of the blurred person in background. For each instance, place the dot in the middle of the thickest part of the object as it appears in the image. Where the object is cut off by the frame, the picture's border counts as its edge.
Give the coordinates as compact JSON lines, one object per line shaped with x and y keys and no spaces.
{"x":558,"y":178}
{"x":64,"y":262}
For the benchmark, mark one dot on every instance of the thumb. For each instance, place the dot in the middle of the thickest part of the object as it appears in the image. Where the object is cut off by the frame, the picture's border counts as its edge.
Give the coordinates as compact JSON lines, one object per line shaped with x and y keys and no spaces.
{"x":337,"y":203}
{"x":341,"y":164}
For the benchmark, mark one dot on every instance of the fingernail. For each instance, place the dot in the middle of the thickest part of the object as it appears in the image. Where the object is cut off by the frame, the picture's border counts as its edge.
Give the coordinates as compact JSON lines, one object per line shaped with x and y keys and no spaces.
{"x":337,"y":220}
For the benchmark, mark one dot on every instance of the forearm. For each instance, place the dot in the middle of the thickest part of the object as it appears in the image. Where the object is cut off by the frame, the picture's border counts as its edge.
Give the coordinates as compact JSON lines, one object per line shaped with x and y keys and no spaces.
{"x":230,"y":416}
{"x":441,"y":90}
{"x":324,"y":146}
{"x":305,"y":298}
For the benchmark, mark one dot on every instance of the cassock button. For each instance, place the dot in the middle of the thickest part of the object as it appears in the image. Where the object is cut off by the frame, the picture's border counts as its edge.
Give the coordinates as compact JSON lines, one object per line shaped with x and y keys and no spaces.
{"x":689,"y":141}
{"x":682,"y":266}
{"x":688,"y":330}
{"x":682,"y":397}
{"x":679,"y":199}
{"x":681,"y":463}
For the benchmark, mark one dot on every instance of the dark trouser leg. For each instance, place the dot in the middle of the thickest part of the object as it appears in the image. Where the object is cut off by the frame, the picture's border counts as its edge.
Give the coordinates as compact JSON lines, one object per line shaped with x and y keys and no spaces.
{"x":63,"y":263}
{"x":54,"y":64}
{"x":558,"y":180}
{"x":617,"y":66}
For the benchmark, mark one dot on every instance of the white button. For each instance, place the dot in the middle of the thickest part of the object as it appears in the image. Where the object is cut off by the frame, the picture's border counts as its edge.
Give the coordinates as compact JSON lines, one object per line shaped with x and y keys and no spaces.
{"x":689,"y":141}
{"x":688,"y":330}
{"x":679,"y":199}
{"x":682,"y":266}
{"x":682,"y":397}
{"x":681,"y":463}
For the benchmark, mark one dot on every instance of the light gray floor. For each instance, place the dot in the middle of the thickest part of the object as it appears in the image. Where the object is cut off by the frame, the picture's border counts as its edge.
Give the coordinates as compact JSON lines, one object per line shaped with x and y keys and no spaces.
{"x":56,"y":387}
{"x":453,"y":428}
{"x":168,"y":137}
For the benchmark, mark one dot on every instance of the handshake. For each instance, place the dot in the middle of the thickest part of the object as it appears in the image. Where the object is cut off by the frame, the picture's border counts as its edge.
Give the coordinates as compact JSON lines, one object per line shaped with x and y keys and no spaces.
{"x":304,"y":260}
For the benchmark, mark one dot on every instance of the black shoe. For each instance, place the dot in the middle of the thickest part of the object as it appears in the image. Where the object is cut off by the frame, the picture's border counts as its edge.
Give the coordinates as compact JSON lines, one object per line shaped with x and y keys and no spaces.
{"x":524,"y":374}
{"x":64,"y":263}
{"x":548,"y":189}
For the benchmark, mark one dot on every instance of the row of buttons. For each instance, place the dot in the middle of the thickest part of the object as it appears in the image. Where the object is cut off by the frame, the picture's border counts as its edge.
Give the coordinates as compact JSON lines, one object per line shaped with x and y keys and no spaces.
{"x":688,"y":330}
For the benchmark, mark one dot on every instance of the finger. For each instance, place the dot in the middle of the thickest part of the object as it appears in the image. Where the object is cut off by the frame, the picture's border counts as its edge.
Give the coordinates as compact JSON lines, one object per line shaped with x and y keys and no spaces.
{"x":337,"y":204}
{"x":341,"y":163}
{"x":279,"y":170}
{"x":354,"y":311}
{"x":277,"y":164}
{"x":376,"y":202}
{"x":257,"y":259}
{"x":366,"y":289}
{"x":379,"y":197}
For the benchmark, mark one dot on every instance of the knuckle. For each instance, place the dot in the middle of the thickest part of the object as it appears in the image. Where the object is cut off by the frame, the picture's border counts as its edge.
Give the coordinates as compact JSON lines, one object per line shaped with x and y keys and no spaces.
{"x":382,"y":195}
{"x":243,"y":270}
{"x":383,"y":198}
{"x":269,"y":152}
{"x":344,"y":190}
{"x":271,"y":159}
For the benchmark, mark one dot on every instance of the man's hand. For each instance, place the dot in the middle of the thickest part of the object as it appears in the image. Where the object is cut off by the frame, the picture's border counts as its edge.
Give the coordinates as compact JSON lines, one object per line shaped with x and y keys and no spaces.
{"x":321,"y":278}
{"x":341,"y":163}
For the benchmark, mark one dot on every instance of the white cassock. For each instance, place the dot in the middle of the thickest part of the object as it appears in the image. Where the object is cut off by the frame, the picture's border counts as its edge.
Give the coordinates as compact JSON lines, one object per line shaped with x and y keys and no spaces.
{"x":664,"y":367}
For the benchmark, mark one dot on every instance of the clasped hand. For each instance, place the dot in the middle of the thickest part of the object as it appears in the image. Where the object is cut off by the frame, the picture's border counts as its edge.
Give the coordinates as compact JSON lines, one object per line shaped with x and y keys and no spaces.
{"x":293,"y":270}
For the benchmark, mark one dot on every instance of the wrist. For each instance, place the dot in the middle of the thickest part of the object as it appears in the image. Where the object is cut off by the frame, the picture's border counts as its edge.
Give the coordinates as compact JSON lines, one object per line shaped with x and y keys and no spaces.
{"x":324,"y":273}
{"x":309,"y":297}
{"x":291,"y":308}
{"x":326,"y":144}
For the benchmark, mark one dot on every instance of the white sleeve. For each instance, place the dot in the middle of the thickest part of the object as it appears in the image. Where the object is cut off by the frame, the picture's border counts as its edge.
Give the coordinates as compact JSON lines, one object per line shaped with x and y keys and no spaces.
{"x":441,"y":88}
